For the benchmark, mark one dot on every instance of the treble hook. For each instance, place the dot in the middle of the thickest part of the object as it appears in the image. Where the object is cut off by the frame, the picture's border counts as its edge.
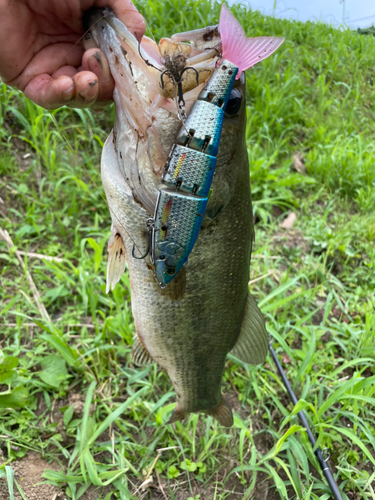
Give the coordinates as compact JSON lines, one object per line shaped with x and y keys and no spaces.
{"x":166,"y":72}
{"x":181,"y":101}
{"x":150,"y":226}
{"x":143,"y":256}
{"x":187,"y":69}
{"x":179,"y":82}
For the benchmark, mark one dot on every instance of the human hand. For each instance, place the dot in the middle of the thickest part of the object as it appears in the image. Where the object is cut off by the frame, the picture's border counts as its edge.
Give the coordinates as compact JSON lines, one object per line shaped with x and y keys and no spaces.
{"x":41,"y":53}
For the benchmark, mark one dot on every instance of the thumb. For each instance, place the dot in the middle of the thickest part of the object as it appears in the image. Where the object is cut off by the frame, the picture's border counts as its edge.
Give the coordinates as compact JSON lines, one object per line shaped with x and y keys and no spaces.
{"x":127,"y":14}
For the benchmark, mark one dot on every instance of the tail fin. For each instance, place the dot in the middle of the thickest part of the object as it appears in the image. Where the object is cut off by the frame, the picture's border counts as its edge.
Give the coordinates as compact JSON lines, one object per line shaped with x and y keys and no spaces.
{"x":223,"y":413}
{"x":237,"y":48}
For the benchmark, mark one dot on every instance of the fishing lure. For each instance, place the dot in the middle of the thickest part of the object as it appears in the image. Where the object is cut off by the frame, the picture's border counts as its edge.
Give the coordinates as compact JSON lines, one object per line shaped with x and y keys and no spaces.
{"x":183,"y":195}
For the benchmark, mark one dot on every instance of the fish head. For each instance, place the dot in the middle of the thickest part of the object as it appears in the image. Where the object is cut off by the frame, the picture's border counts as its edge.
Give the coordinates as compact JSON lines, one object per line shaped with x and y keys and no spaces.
{"x":146,"y":75}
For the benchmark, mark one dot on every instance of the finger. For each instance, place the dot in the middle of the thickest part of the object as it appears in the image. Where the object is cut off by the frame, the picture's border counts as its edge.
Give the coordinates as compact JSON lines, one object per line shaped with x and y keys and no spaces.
{"x":127,"y":13}
{"x":65,"y":71}
{"x":86,"y":90}
{"x":95,"y":61}
{"x":49,"y":92}
{"x":46,"y":62}
{"x":81,"y":91}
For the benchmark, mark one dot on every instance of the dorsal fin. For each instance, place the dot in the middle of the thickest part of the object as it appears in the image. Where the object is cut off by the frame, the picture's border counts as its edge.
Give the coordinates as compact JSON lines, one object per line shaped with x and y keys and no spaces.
{"x":237,"y":48}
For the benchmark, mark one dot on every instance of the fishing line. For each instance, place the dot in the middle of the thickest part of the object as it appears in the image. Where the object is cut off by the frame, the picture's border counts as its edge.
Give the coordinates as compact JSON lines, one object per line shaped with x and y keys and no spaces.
{"x":146,"y":23}
{"x":77,"y":42}
{"x":318,"y":452}
{"x":149,"y":29}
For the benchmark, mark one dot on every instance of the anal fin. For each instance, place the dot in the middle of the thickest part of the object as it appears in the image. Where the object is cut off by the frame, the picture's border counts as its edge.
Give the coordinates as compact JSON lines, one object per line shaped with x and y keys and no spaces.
{"x":140,"y":354}
{"x":223,"y":413}
{"x":252,"y":344}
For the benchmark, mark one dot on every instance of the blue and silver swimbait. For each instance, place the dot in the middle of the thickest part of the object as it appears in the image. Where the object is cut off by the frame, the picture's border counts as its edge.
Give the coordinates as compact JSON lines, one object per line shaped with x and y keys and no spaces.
{"x":182,"y":199}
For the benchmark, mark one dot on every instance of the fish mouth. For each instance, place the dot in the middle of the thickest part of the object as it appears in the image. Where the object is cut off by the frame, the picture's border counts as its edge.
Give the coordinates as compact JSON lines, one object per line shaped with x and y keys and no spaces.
{"x":150,"y":79}
{"x":186,"y":58}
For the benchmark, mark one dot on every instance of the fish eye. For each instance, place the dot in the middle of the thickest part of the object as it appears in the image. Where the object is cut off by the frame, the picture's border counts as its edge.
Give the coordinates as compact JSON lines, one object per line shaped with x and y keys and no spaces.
{"x":234,"y":103}
{"x":170,"y":271}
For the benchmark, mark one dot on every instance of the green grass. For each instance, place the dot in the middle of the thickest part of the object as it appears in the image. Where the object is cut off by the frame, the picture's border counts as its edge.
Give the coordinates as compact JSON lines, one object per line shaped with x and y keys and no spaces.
{"x":314,"y":96}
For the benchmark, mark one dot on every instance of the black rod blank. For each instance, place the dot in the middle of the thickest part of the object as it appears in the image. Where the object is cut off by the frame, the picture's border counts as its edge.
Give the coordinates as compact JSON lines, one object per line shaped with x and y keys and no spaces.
{"x":318,"y":452}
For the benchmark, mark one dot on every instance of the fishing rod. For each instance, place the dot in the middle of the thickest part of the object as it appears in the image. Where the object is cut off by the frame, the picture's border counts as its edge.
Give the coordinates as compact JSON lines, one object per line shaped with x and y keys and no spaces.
{"x":318,"y":452}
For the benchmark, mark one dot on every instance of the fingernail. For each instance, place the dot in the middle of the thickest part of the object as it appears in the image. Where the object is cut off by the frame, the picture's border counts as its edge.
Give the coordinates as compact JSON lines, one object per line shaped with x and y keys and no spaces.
{"x":89,"y":94}
{"x":94,"y":61}
{"x":96,"y":65}
{"x":68,"y":94}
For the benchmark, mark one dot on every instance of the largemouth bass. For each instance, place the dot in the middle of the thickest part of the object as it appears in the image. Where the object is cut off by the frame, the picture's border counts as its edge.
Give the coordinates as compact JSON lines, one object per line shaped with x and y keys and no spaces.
{"x":206,"y":311}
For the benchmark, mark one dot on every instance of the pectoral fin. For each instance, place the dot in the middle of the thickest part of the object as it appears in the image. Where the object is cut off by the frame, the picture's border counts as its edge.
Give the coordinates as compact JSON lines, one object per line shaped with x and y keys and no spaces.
{"x":140,"y":354}
{"x":116,"y":259}
{"x":252,"y":344}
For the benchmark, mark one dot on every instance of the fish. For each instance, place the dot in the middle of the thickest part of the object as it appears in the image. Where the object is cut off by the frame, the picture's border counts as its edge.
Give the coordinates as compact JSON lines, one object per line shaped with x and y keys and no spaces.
{"x":206,"y":311}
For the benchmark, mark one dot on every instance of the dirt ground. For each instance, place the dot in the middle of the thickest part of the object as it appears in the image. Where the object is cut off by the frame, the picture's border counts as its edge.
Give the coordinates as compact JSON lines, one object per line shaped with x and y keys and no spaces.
{"x":28,"y":474}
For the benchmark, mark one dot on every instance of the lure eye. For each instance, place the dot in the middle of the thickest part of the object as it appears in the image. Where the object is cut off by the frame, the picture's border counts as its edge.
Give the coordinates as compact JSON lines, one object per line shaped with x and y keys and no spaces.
{"x":234,"y":103}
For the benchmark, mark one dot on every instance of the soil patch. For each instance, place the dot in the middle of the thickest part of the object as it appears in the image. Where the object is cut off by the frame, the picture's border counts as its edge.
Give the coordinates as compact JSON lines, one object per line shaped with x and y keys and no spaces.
{"x":292,"y":238}
{"x":28,"y":474}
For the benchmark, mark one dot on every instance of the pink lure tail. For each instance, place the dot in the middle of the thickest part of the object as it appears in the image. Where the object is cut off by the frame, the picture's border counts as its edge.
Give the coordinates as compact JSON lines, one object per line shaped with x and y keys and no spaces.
{"x":237,"y":48}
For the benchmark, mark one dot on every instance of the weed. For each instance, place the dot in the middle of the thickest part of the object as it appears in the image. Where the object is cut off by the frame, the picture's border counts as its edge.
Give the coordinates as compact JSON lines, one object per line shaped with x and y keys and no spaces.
{"x":68,"y":388}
